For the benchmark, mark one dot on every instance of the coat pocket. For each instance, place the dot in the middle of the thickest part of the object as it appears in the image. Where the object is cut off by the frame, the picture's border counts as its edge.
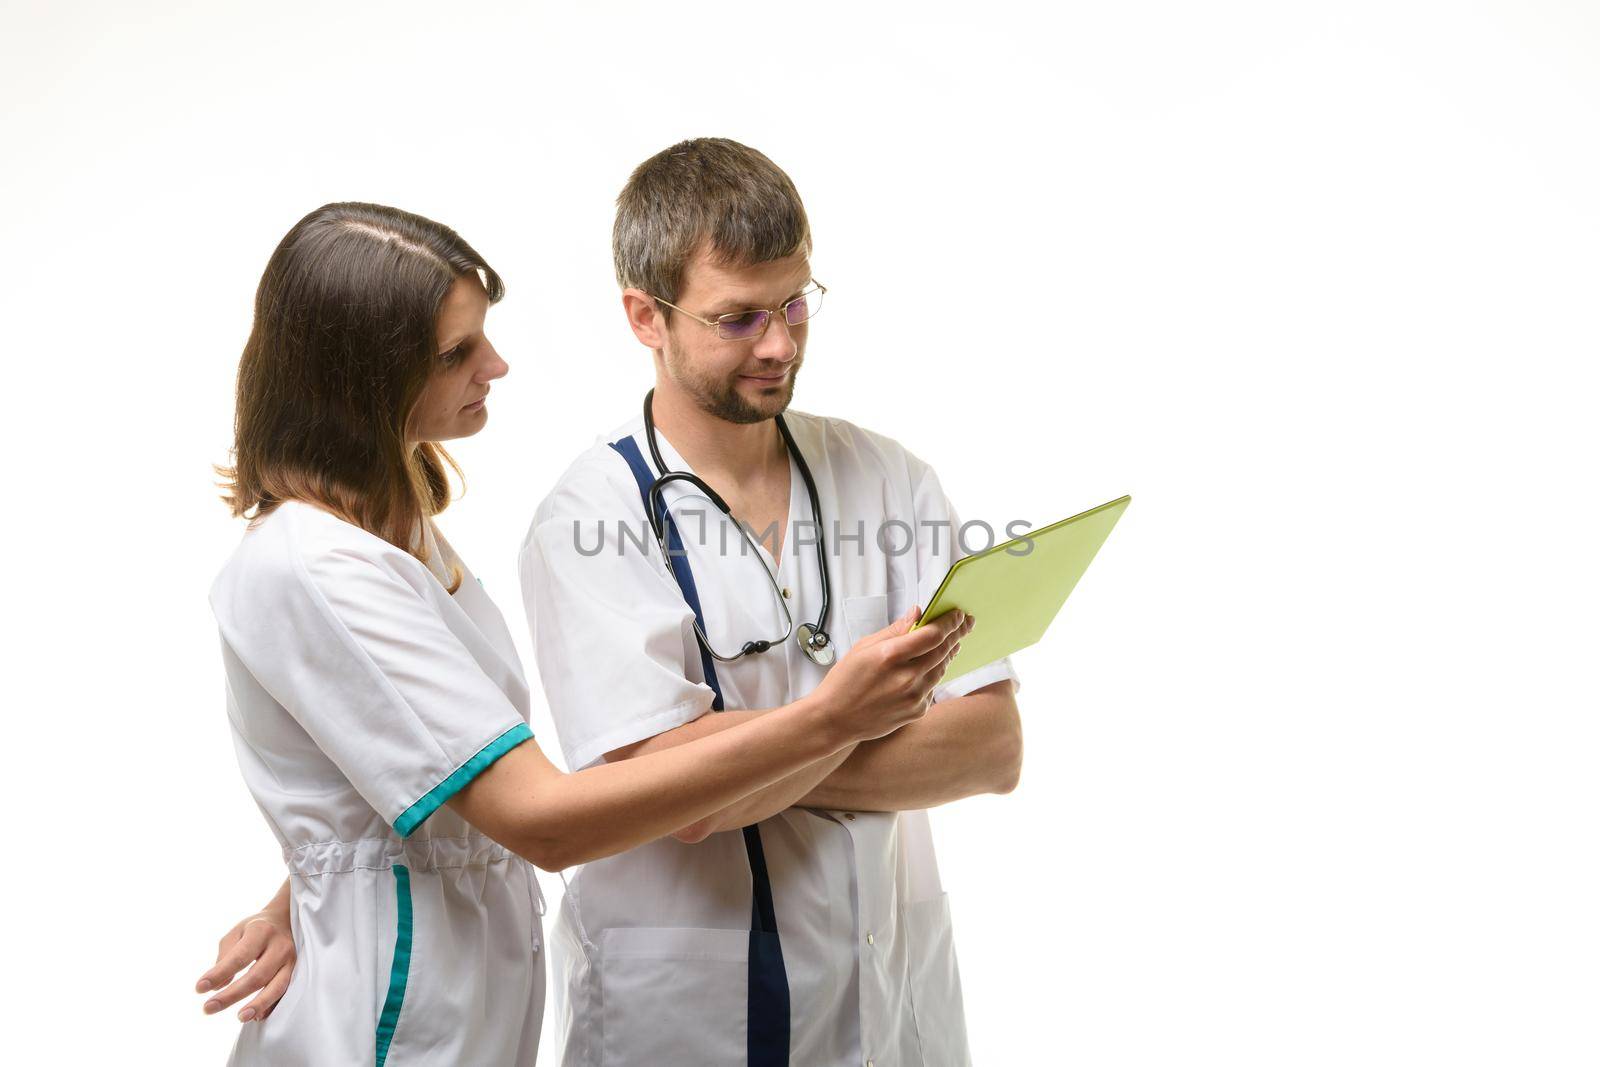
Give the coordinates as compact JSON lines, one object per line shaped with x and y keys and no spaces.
{"x":865,"y":615}
{"x":935,"y":983}
{"x":673,"y":995}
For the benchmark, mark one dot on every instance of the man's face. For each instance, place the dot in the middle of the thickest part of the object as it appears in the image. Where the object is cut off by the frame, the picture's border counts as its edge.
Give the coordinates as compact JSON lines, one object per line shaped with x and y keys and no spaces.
{"x":740,"y":381}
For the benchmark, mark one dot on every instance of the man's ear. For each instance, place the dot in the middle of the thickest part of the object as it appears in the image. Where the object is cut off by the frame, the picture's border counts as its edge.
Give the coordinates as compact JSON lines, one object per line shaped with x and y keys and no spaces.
{"x":645,"y":318}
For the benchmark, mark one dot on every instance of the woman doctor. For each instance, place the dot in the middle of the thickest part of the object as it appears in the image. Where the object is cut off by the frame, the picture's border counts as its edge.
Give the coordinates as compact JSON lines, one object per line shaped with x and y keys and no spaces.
{"x":377,"y":705}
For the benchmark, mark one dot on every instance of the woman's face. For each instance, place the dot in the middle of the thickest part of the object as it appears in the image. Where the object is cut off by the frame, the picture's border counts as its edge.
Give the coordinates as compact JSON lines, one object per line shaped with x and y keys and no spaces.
{"x":453,"y":402}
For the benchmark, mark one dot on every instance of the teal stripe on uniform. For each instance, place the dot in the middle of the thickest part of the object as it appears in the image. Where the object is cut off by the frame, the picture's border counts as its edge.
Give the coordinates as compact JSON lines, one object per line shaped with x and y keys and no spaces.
{"x":413,"y":816}
{"x":401,"y":968}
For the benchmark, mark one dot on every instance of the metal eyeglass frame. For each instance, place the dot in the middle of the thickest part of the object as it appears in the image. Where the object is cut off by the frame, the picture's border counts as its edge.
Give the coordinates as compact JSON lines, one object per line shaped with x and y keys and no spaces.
{"x":718,"y":322}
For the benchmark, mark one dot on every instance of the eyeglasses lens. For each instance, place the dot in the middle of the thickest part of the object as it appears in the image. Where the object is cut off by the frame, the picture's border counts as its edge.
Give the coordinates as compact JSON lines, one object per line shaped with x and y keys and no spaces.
{"x":803,"y":308}
{"x":738,"y":327}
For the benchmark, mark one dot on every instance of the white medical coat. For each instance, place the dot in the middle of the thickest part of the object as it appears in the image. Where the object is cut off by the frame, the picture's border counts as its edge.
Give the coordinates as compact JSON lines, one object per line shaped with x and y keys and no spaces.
{"x":655,"y":958}
{"x":361,"y":696}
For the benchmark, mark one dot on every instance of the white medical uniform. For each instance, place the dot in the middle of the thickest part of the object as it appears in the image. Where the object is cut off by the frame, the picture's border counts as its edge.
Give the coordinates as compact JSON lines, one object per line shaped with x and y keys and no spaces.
{"x":826,"y":940}
{"x":362,"y":695}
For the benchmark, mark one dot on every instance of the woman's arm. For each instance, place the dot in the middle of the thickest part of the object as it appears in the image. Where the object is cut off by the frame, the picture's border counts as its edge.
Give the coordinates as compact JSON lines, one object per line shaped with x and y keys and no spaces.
{"x":558,"y":820}
{"x":765,"y":803}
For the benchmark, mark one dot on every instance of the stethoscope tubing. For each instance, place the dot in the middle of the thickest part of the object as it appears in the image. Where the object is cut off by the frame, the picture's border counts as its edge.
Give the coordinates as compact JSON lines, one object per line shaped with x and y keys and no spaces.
{"x":816,"y":642}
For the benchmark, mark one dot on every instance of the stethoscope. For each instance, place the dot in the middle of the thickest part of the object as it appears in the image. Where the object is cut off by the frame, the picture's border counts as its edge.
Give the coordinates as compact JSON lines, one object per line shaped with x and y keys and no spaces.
{"x":814,"y":639}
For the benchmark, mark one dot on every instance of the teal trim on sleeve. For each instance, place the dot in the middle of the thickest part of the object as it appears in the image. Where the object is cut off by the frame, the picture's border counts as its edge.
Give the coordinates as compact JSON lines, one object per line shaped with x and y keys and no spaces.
{"x":400,"y":970}
{"x":413,"y":816}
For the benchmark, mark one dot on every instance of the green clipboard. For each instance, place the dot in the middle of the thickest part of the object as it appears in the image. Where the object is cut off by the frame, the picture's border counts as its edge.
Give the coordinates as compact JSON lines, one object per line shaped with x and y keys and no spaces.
{"x":1014,"y":590}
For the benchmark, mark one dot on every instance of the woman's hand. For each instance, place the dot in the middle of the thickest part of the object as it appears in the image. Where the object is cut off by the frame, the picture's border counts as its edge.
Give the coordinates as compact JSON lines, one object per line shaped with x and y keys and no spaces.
{"x":887,"y":679}
{"x":264,"y":943}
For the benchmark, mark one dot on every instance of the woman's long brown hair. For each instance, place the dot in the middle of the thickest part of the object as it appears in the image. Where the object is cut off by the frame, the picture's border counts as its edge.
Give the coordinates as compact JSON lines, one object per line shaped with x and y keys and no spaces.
{"x":340,"y":350}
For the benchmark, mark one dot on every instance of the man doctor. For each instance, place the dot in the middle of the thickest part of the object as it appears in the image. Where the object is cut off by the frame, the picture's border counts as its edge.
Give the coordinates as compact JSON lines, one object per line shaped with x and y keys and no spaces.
{"x":806,"y":924}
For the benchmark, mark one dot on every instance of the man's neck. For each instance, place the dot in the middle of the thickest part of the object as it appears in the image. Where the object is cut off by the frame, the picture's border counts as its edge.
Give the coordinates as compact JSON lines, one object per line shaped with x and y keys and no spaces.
{"x":716,"y":449}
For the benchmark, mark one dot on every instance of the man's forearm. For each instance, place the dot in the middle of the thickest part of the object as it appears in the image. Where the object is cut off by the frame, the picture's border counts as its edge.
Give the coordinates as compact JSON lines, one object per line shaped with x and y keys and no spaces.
{"x":962,"y":747}
{"x":768,"y":802}
{"x":763,"y":803}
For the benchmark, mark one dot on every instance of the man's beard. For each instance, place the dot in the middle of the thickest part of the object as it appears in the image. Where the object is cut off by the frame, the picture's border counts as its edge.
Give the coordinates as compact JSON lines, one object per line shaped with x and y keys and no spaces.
{"x":720,"y":396}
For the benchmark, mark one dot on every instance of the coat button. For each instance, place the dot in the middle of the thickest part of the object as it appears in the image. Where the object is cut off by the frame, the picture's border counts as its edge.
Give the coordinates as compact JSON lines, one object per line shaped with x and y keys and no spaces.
{"x":786,"y":592}
{"x":869,"y":939}
{"x":850,"y":815}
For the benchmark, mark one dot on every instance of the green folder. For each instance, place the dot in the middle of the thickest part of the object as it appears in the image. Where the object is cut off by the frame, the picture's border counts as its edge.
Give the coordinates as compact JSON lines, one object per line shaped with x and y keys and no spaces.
{"x":1015,"y":589}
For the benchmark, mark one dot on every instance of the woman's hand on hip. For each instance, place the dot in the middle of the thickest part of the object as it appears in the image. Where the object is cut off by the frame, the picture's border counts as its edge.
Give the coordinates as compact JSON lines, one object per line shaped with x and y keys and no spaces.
{"x":262,"y":942}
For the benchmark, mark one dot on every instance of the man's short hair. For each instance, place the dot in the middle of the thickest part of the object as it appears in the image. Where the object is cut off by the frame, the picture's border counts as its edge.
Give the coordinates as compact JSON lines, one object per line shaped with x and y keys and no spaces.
{"x":706,"y":191}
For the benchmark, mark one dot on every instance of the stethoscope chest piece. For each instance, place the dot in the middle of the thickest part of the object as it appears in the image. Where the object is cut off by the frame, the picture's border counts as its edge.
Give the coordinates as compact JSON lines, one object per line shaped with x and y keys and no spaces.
{"x":816,"y":643}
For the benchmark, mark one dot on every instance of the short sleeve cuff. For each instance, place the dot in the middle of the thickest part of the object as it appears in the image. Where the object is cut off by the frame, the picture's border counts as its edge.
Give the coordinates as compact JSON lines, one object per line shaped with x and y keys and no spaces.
{"x":975,"y":680}
{"x":590,"y":751}
{"x":416,"y":814}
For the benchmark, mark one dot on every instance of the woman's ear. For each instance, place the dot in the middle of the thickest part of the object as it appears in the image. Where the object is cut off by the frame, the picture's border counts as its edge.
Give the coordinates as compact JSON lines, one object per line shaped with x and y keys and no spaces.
{"x":645,"y":318}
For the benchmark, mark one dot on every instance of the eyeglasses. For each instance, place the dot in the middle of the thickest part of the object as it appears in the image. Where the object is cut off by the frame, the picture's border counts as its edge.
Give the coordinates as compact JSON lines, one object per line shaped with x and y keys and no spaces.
{"x":746,"y":325}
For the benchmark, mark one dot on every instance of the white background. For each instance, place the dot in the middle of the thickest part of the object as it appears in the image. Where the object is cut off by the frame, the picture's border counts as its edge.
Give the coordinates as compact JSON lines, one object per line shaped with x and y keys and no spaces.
{"x":1311,"y":754}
